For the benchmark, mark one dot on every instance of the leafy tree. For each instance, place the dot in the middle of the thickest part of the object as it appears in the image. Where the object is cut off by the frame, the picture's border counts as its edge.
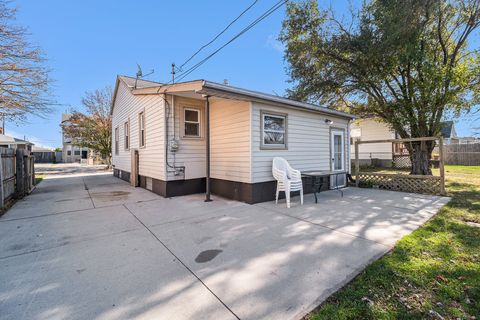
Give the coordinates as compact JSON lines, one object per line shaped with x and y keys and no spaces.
{"x":24,"y":81}
{"x":407,"y":62}
{"x":93,"y":129}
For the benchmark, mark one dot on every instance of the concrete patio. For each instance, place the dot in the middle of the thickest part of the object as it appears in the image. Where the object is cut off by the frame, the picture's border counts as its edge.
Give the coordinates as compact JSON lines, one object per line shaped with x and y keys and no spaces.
{"x":86,"y":245}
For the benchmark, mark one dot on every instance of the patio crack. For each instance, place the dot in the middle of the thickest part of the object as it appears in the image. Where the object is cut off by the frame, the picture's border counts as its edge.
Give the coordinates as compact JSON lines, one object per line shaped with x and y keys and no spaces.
{"x":88,"y":191}
{"x":182,"y":263}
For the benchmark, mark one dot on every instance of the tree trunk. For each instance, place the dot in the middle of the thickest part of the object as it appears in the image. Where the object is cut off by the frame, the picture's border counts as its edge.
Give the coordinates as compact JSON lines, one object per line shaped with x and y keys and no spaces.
{"x":420,"y":155}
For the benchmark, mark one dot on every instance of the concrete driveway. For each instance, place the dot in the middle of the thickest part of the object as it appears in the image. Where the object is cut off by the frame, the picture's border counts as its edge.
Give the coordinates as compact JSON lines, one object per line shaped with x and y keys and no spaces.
{"x":85,"y":245}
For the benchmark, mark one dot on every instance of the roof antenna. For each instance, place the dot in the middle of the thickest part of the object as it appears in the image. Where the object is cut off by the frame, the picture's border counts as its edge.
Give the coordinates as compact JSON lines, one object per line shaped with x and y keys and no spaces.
{"x":138,"y":75}
{"x":173,"y":72}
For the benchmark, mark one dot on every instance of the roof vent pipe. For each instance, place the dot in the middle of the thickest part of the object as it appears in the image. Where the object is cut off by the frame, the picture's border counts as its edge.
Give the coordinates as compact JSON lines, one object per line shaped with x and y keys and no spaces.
{"x":225,"y":82}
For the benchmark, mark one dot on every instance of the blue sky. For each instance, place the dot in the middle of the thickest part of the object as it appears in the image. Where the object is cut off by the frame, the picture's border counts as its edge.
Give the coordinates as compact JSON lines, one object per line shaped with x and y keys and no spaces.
{"x":88,"y":43}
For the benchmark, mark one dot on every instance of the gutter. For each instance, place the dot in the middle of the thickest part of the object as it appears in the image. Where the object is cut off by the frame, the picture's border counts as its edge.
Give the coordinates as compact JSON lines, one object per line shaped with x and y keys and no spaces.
{"x":271,"y":98}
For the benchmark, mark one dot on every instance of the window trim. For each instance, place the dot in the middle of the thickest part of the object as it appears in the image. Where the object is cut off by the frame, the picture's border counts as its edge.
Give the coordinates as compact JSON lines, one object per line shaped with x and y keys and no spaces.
{"x":126,"y":135}
{"x":140,"y":115}
{"x":264,"y":146}
{"x":199,"y":122}
{"x":116,"y":140}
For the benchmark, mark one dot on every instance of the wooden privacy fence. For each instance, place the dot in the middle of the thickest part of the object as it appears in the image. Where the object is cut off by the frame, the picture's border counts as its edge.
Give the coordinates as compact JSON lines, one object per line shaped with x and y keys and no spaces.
{"x":17,"y":174}
{"x":402,"y":182}
{"x":463,"y":154}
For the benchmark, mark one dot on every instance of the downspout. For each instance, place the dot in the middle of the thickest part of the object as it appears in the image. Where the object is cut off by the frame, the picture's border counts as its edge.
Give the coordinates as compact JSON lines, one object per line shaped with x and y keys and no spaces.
{"x":207,"y":142}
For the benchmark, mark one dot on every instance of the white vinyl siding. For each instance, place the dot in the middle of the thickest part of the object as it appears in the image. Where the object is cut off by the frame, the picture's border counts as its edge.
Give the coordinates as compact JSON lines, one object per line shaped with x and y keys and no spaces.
{"x":370,"y":129}
{"x":308,"y":141}
{"x":230,"y":140}
{"x":151,"y":159}
{"x":192,"y":150}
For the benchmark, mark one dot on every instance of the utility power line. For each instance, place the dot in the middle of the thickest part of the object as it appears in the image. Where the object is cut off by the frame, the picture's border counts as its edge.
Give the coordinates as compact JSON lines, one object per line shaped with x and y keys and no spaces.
{"x":218,"y":35}
{"x":267,"y":13}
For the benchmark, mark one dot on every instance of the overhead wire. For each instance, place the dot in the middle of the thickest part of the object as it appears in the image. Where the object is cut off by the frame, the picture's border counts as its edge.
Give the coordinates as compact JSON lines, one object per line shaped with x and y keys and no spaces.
{"x":218,"y":35}
{"x":267,"y":13}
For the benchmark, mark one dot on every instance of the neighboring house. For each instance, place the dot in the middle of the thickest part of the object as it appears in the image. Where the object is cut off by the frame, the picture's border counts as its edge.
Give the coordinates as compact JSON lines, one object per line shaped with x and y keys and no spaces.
{"x":71,"y":152}
{"x":43,"y":155}
{"x":372,"y":129}
{"x":468,"y":140}
{"x":15,"y":143}
{"x":160,"y":133}
{"x":382,"y":154}
{"x":448,"y":132}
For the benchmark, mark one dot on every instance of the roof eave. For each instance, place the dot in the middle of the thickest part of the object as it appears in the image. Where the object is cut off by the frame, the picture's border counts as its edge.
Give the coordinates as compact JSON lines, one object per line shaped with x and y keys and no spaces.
{"x":279,"y":100}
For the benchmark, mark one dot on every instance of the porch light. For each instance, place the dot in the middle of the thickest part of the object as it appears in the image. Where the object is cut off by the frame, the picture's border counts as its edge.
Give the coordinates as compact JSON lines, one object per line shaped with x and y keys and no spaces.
{"x":328,"y":121}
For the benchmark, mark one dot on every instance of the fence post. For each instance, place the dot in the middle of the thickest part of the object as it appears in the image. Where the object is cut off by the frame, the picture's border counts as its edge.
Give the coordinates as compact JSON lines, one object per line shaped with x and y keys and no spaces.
{"x":32,"y":168}
{"x":2,"y":178}
{"x":357,"y":163}
{"x":19,"y":172}
{"x":441,"y":165}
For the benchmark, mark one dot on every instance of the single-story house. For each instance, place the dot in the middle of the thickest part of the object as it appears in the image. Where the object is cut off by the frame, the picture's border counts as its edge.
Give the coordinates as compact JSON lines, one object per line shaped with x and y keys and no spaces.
{"x":15,"y":143}
{"x":384,"y":153}
{"x":201,"y":136}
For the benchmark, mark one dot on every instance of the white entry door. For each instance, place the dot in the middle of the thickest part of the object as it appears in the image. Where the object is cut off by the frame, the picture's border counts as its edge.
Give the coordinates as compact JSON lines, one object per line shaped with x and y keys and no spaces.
{"x":337,"y":149}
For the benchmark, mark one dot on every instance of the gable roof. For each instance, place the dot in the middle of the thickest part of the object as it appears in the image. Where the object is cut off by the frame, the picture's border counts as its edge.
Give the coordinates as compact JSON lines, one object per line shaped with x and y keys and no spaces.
{"x":4,"y":139}
{"x":448,"y":129}
{"x":211,"y":88}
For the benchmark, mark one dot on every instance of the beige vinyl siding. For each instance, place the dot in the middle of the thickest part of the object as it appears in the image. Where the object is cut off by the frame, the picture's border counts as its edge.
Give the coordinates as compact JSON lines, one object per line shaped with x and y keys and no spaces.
{"x":308,"y":141}
{"x":373,"y":130}
{"x":192,"y":150}
{"x":151,"y":157}
{"x":230,"y":140}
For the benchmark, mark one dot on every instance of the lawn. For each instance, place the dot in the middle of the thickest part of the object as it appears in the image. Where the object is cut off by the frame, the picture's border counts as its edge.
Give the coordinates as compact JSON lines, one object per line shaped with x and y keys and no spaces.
{"x":39,"y":178}
{"x":433,"y":273}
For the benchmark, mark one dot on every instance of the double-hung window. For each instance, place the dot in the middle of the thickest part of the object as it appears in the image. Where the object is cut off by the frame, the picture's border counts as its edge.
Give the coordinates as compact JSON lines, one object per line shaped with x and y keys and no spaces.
{"x":127,"y":135}
{"x":116,"y":141}
{"x":141,"y":128}
{"x":191,"y":118}
{"x":274,"y":130}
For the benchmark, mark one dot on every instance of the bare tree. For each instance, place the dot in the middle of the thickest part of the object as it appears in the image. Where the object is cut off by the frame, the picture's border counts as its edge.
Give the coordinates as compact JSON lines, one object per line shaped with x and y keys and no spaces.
{"x":93,"y":129}
{"x":24,"y":80}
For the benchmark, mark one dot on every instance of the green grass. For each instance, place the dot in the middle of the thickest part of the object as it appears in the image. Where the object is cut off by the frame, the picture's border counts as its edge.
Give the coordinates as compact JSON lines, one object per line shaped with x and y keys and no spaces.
{"x":39,"y":178}
{"x":433,"y":271}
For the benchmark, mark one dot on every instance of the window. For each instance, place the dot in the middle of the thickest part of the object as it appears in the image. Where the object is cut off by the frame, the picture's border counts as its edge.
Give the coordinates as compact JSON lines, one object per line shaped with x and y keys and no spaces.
{"x":69,"y":153}
{"x":126,"y":131}
{"x":76,"y":152}
{"x":116,"y":141}
{"x":274,"y":131}
{"x":141,"y":127}
{"x":191,"y":119}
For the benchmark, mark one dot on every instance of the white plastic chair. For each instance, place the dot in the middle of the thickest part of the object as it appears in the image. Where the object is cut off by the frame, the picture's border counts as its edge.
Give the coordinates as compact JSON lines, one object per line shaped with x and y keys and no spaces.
{"x":288,"y":179}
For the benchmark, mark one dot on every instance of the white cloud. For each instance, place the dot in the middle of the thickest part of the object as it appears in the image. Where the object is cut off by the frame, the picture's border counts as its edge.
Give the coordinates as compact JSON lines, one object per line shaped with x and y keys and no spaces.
{"x":273,"y":43}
